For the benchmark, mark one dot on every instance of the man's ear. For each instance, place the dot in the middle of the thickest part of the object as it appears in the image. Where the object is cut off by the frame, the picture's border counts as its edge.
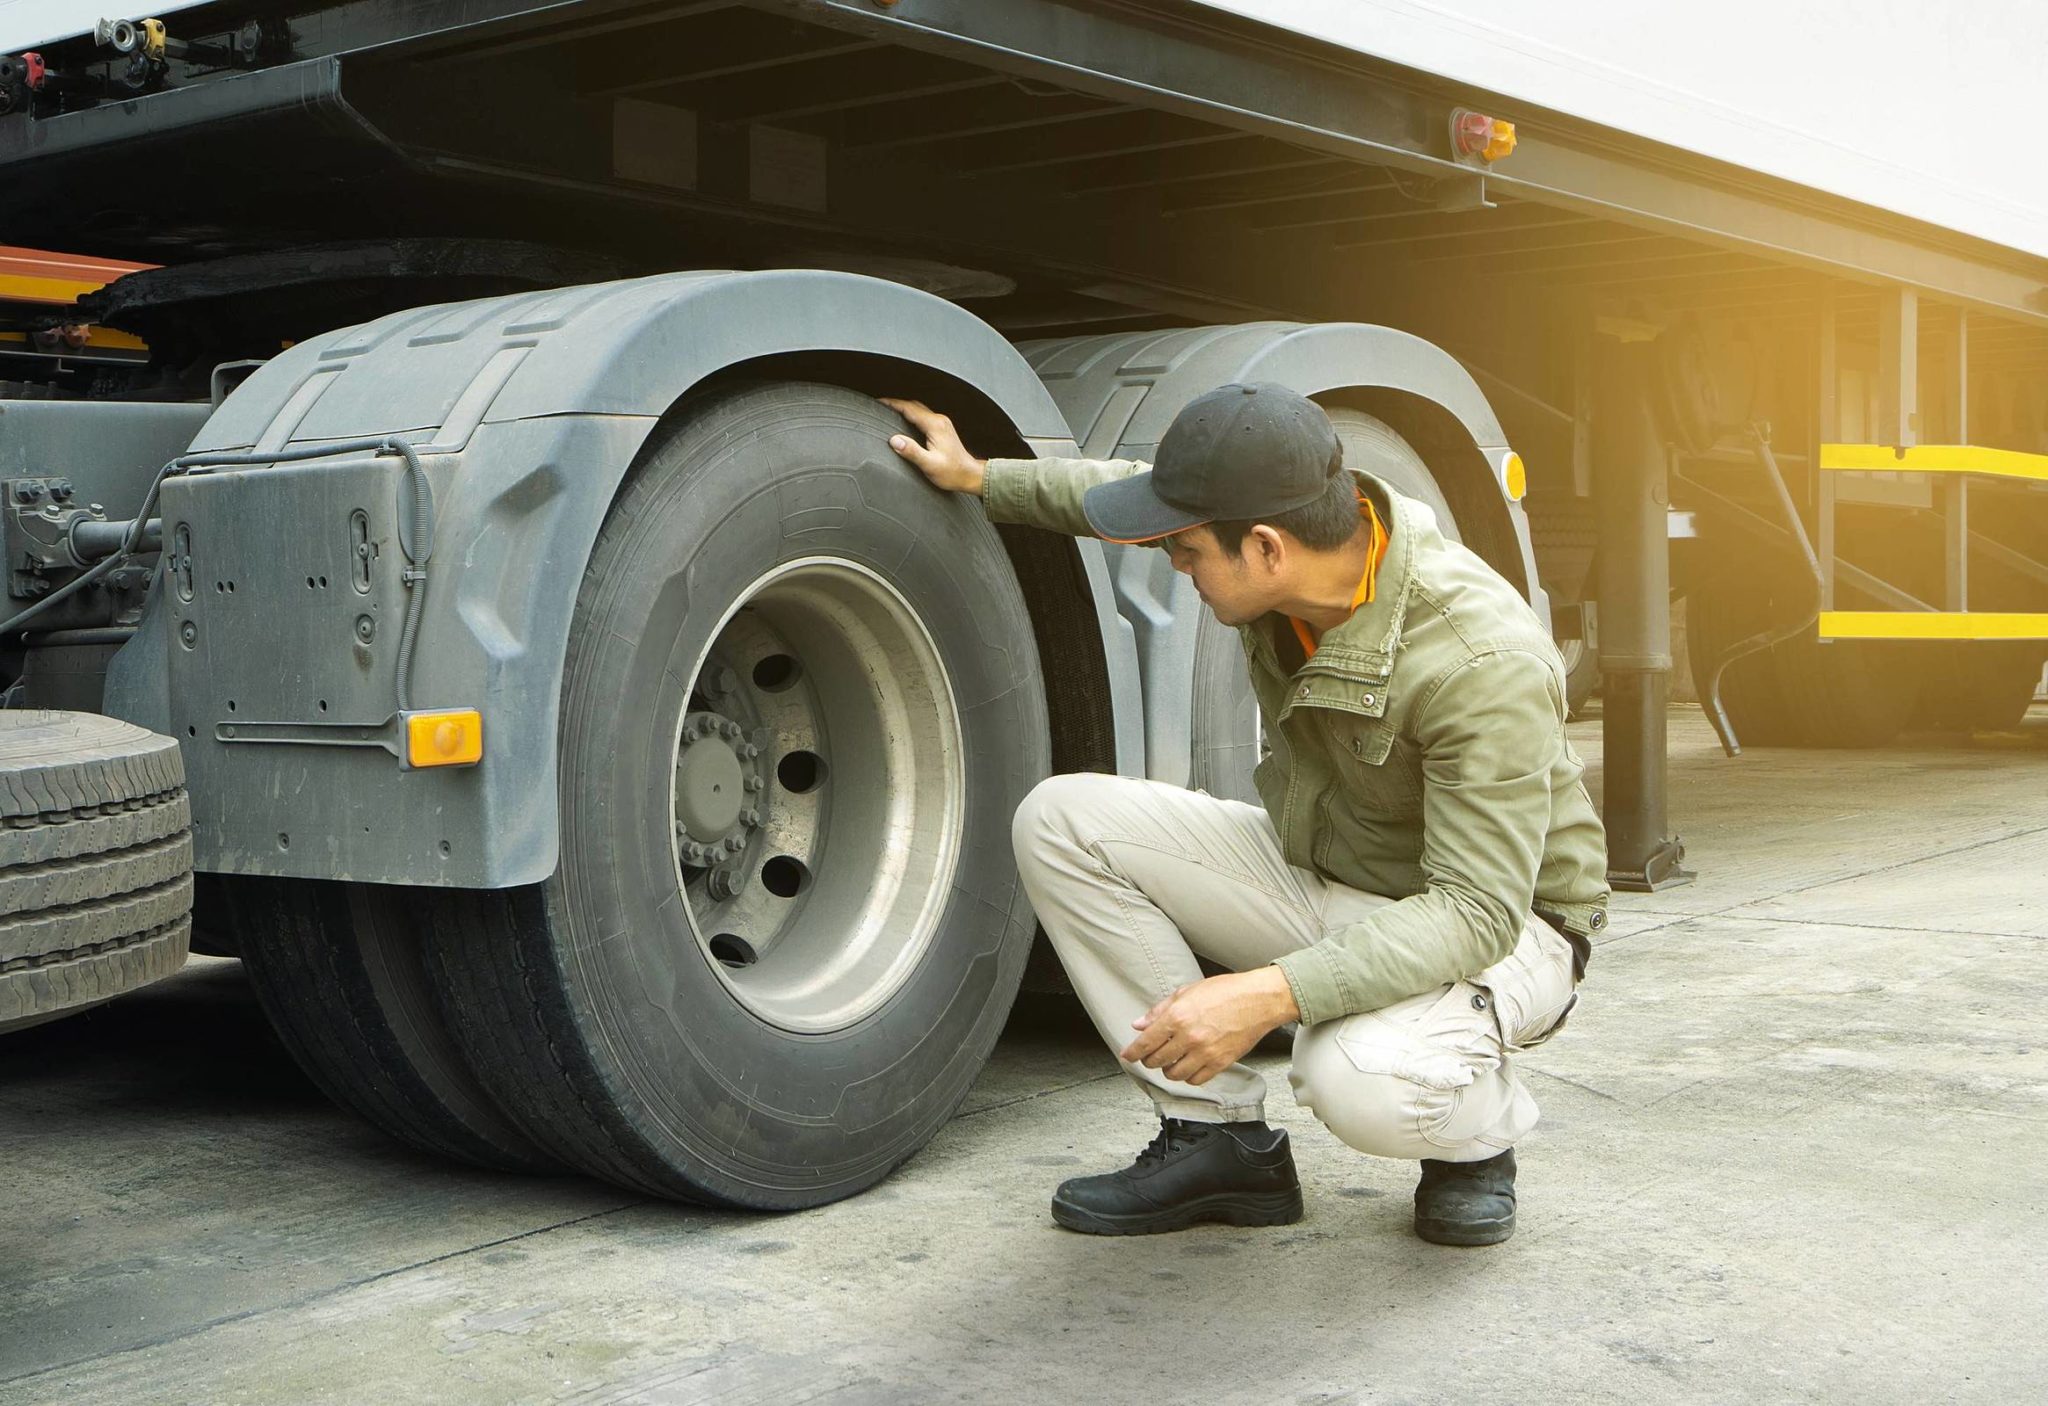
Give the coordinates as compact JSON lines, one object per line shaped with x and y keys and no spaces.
{"x":1272,"y":547}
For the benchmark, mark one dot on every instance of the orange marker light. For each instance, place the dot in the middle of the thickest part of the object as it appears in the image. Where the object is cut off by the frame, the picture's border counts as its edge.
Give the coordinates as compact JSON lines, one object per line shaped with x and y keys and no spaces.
{"x":1514,"y":477}
{"x":1474,"y":134}
{"x":444,"y":737}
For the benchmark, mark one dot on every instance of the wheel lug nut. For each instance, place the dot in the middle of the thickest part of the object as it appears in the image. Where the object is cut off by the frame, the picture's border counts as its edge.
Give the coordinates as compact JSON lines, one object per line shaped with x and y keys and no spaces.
{"x":750,"y":751}
{"x":730,"y":729}
{"x":735,"y":845}
{"x":750,"y":817}
{"x":753,"y":783}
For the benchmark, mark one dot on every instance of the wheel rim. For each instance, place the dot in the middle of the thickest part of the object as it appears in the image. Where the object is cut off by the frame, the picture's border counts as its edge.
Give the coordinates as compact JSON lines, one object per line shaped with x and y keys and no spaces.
{"x":816,"y":793}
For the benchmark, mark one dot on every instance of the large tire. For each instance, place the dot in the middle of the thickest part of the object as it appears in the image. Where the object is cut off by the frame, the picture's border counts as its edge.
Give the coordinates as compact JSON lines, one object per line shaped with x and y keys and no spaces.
{"x":792,"y":1044}
{"x":1799,"y":692}
{"x":340,"y":969}
{"x":1719,"y":616}
{"x":95,"y":862}
{"x":1978,"y":686}
{"x":1224,"y":716}
{"x":1849,"y":693}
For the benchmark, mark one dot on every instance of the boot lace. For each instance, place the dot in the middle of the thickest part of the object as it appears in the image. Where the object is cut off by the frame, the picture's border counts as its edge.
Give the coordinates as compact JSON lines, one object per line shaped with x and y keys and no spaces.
{"x":1173,"y":1135}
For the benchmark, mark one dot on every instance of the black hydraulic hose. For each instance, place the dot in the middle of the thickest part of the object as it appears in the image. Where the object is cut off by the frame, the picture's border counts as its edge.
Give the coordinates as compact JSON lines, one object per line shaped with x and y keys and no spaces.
{"x":415,"y":575}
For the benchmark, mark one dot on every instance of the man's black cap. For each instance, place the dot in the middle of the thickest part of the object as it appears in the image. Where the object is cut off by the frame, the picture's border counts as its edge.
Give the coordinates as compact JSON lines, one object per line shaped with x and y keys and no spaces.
{"x":1239,"y":452}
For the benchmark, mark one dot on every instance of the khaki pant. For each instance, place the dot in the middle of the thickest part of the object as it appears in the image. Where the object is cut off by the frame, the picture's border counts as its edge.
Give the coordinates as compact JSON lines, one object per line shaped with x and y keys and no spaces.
{"x":1133,"y":879}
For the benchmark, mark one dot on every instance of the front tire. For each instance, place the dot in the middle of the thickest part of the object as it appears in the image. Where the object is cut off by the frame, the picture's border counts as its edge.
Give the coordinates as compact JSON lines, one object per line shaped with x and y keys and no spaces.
{"x":769,"y":996}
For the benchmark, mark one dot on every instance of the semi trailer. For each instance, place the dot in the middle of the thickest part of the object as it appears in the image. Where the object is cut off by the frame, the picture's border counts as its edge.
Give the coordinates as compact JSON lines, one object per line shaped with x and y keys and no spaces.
{"x":455,"y":563}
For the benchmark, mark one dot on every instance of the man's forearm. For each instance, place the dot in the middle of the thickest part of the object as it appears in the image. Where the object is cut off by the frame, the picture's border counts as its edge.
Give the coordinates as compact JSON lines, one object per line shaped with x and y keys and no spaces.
{"x":1047,"y":493}
{"x":1416,"y":945}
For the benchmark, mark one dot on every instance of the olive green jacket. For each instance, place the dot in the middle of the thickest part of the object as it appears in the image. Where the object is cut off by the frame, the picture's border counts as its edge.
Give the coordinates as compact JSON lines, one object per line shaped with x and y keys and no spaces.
{"x":1421,"y":754}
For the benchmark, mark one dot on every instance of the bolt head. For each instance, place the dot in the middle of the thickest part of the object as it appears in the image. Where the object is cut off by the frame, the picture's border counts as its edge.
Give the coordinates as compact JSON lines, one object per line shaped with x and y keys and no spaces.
{"x":730,"y":729}
{"x":750,"y":817}
{"x":750,"y":751}
{"x":753,"y":783}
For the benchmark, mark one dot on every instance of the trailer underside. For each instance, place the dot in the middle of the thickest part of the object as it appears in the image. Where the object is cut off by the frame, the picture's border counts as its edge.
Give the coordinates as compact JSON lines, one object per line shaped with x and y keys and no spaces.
{"x":1073,"y":166}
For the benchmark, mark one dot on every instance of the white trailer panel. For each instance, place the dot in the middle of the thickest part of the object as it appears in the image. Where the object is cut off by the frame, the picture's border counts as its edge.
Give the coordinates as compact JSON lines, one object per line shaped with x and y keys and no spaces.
{"x":1925,"y":110}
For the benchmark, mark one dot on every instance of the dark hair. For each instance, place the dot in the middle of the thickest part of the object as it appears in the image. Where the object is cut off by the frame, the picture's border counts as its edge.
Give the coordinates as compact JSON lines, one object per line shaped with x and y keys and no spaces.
{"x":1322,"y":526}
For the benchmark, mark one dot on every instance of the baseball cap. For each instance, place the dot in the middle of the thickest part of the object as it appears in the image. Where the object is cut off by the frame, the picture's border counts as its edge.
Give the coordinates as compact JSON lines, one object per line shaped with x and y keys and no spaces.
{"x":1242,"y":451}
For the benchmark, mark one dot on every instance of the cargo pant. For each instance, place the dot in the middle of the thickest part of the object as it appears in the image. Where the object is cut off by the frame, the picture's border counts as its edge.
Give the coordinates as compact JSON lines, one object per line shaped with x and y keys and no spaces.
{"x":1132,"y":880}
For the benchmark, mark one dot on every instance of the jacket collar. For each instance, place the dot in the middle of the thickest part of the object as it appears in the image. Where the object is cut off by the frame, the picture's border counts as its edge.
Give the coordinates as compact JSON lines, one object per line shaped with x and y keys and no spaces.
{"x":1362,"y":648}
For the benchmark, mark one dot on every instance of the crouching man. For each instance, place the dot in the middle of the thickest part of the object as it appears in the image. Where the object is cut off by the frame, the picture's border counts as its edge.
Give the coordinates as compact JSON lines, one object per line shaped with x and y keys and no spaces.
{"x":1416,"y":891}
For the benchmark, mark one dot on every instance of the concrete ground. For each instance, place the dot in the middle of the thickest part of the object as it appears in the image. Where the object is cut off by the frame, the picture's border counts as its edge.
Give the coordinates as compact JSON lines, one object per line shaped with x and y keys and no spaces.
{"x":1795,"y":1148}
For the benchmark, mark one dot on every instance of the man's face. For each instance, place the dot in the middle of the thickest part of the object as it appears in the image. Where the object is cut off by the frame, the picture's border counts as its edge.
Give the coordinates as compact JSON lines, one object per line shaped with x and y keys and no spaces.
{"x":1237,"y":587}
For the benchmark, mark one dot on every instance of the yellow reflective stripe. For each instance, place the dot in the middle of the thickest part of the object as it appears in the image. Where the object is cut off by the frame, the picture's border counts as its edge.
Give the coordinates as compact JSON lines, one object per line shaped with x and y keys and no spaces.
{"x":114,"y":340}
{"x":1936,"y":459}
{"x":29,"y":289}
{"x":1931,"y":625}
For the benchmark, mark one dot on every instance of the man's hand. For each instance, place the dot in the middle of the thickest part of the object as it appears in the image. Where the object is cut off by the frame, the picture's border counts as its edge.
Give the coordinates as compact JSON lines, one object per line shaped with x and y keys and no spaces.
{"x":1206,"y":1026}
{"x":942,"y":458}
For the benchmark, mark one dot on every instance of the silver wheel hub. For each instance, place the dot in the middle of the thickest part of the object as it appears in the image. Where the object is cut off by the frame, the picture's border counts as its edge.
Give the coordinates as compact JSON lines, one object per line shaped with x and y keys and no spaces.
{"x":718,"y":786}
{"x":817,"y":792}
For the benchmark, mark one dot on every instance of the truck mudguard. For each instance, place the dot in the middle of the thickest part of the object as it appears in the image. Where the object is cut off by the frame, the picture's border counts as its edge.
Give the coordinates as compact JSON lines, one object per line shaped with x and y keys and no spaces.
{"x":1122,"y":390}
{"x":271,"y":648}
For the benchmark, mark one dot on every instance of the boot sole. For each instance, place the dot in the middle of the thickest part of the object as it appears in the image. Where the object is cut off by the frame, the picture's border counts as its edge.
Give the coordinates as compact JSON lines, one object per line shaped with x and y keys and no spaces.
{"x":1222,"y":1208}
{"x":1464,"y":1232}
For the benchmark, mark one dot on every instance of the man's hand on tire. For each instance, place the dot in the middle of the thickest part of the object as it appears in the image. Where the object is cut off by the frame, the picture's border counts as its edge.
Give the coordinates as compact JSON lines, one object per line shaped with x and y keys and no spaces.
{"x":942,"y":458}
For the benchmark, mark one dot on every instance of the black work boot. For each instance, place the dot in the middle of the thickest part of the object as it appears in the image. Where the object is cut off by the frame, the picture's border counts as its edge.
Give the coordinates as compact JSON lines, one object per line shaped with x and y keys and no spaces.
{"x":1466,"y":1203}
{"x":1235,"y":1173}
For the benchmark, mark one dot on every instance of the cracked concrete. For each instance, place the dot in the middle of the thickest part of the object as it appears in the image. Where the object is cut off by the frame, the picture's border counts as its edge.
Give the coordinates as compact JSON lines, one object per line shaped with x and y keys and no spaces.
{"x":1792,"y":1151}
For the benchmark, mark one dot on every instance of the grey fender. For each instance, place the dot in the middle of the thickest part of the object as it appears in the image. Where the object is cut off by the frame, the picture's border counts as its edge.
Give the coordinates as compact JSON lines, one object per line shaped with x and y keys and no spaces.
{"x":528,"y":411}
{"x":1120,"y":392}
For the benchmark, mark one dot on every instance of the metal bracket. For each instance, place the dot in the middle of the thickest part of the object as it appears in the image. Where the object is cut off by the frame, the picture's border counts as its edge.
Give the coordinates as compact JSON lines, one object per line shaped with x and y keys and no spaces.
{"x":1576,"y":620}
{"x":1663,"y":868}
{"x":385,"y":735}
{"x":35,"y":533}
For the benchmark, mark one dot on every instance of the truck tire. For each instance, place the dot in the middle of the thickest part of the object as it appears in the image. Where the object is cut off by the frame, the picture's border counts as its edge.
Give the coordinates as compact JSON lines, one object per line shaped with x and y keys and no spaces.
{"x":800,"y":706}
{"x":1849,"y":693}
{"x":1224,"y":717}
{"x":1719,"y":616}
{"x":95,"y":862}
{"x":1978,"y":686}
{"x":1799,"y":692}
{"x":340,"y":970}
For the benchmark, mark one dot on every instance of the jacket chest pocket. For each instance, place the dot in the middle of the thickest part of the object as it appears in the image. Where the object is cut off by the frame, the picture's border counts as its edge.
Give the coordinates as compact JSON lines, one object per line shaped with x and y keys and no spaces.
{"x":1375,"y":773}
